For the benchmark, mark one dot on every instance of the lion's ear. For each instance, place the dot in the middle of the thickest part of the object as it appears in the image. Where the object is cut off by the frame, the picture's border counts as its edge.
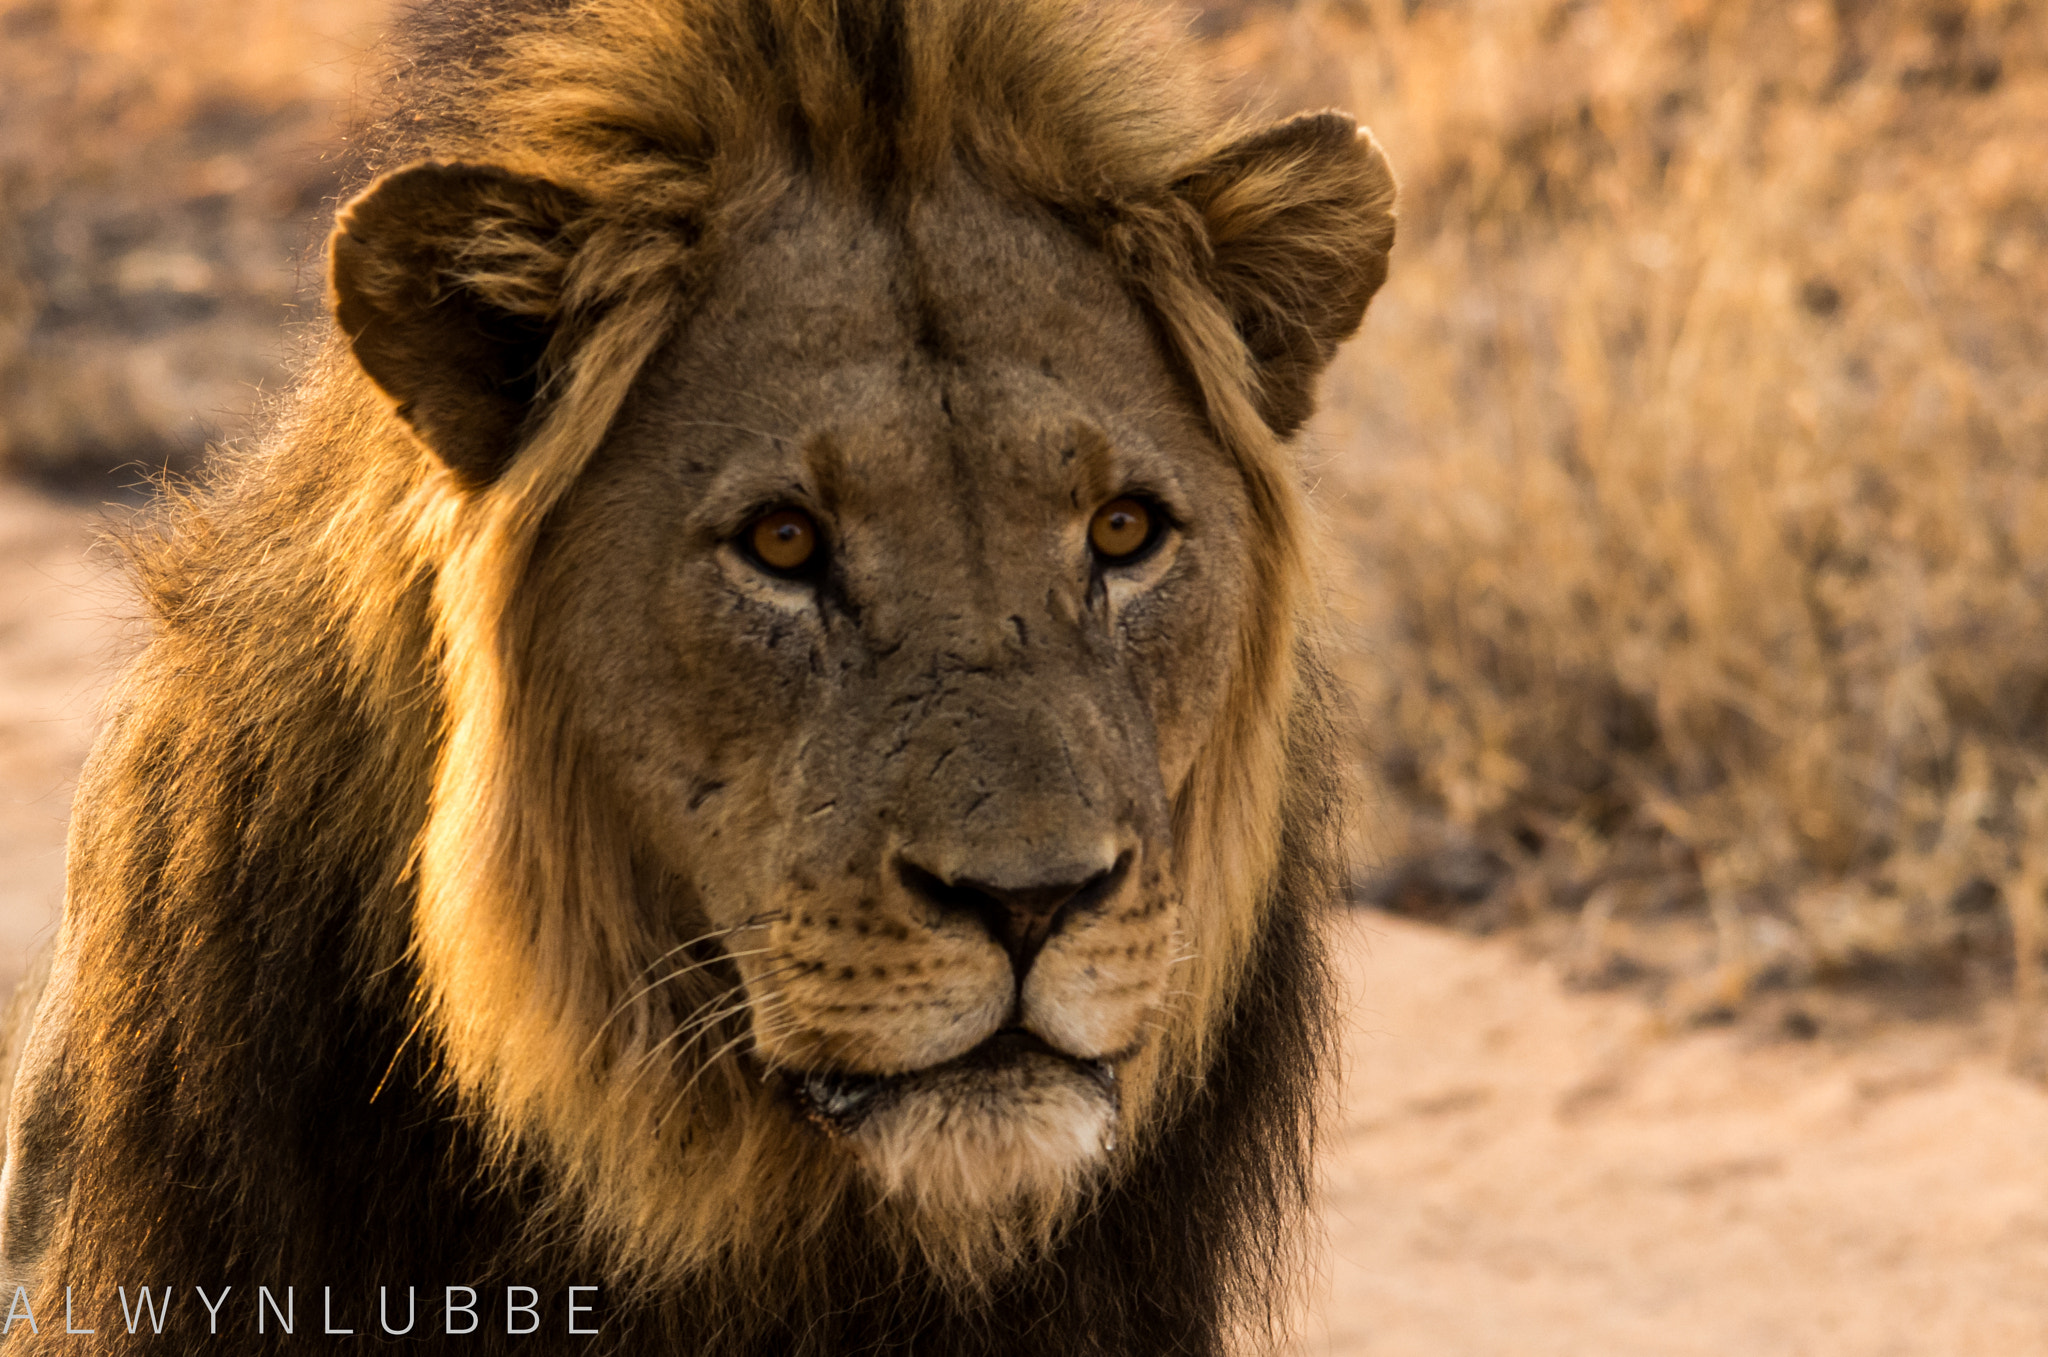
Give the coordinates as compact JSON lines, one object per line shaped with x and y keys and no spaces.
{"x":446,"y":279}
{"x":1301,"y":217}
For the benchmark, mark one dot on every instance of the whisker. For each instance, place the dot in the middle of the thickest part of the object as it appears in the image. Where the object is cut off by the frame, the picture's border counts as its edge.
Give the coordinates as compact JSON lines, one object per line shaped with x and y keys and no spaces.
{"x":758,"y":920}
{"x":682,"y":1095}
{"x":664,"y":978}
{"x":661,"y":980}
{"x":778,"y":1022}
{"x":693,"y":1028}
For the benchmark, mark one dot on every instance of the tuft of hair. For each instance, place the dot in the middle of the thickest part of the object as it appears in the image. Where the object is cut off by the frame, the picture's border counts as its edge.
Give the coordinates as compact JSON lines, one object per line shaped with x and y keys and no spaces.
{"x":314,"y":982}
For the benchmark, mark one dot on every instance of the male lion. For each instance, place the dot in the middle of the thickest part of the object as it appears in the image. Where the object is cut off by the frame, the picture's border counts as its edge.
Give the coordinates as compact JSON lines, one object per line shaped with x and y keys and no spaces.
{"x":750,"y":740}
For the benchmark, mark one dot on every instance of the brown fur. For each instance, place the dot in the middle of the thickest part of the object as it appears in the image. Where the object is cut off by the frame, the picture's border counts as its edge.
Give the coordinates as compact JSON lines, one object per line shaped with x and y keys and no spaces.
{"x":475,"y":847}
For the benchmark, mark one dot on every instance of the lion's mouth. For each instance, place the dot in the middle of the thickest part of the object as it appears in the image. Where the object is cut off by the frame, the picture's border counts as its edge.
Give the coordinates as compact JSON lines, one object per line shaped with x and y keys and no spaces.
{"x":840,"y":1102}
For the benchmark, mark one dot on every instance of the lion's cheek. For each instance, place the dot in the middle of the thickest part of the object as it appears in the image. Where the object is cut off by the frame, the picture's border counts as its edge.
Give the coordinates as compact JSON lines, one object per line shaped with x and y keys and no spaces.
{"x":1178,"y":640}
{"x":866,"y":1010}
{"x":1092,"y":998}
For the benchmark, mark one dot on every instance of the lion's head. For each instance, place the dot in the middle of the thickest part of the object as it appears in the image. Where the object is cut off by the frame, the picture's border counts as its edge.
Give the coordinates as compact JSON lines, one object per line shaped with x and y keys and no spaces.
{"x":867,"y":576}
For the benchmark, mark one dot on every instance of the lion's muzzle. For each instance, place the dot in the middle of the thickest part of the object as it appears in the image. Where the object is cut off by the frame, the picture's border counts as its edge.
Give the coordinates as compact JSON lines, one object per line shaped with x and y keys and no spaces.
{"x":992,"y":1073}
{"x":1023,"y":913}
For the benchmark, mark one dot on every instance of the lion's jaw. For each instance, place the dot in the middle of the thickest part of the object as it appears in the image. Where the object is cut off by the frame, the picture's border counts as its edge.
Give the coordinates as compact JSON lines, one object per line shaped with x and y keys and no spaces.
{"x":853,"y":774}
{"x":1010,"y":1119}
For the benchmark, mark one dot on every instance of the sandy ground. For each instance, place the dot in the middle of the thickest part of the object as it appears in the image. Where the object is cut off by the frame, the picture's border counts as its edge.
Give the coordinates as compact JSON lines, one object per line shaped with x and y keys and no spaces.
{"x":1518,"y":1170}
{"x":1521,"y":1170}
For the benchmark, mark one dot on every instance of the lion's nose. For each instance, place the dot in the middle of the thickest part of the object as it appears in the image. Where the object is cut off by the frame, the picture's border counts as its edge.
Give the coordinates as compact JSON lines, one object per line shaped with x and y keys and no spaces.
{"x":1020,"y":916}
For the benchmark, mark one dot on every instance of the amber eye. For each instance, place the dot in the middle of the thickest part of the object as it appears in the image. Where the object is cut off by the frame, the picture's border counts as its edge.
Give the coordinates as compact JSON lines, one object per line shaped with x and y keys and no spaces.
{"x":1121,"y":528}
{"x":784,"y":540}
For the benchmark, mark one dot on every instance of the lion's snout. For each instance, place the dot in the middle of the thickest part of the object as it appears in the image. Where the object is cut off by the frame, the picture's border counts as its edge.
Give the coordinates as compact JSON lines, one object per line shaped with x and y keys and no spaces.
{"x":1021,"y":911}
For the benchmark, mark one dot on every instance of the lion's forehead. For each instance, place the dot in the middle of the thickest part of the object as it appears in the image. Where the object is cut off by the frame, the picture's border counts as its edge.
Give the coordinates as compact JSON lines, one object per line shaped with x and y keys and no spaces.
{"x":822,"y":285}
{"x":958,"y":384}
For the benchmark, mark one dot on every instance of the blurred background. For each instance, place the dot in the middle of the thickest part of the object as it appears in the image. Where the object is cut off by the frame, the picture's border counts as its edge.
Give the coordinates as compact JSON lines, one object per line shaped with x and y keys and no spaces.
{"x":1688,"y":496}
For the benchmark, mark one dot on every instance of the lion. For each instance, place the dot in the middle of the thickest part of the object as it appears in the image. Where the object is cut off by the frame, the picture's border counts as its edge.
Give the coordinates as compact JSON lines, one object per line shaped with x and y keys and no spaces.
{"x":750,"y":742}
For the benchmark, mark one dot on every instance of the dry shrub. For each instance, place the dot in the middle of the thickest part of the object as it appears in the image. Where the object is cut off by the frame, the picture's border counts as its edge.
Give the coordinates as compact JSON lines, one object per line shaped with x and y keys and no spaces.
{"x":1697,"y":463}
{"x":160,"y":171}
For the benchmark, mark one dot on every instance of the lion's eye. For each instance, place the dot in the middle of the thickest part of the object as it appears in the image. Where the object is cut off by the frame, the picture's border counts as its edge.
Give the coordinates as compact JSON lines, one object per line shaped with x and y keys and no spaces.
{"x":784,"y":540}
{"x":1122,"y":528}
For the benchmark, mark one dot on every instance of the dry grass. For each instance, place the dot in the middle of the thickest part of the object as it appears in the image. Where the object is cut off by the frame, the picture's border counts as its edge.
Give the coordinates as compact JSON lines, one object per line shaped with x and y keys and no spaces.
{"x":1697,"y":461}
{"x":161,"y":167}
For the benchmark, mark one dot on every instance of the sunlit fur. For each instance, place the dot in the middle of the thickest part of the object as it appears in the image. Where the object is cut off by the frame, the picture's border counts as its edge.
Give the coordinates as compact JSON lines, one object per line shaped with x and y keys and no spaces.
{"x":336,"y":899}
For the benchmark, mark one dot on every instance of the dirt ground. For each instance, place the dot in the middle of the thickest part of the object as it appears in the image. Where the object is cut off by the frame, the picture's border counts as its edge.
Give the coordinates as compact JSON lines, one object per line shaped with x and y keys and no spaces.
{"x":1521,"y":1170}
{"x":1517,"y":1170}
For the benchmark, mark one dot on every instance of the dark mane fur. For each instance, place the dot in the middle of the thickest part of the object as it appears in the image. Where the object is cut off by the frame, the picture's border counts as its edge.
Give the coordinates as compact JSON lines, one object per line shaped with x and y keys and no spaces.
{"x":247,"y":1094}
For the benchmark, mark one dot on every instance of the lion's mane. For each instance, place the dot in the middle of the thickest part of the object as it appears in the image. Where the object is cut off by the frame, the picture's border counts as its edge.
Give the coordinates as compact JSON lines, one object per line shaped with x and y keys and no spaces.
{"x":339,"y":933}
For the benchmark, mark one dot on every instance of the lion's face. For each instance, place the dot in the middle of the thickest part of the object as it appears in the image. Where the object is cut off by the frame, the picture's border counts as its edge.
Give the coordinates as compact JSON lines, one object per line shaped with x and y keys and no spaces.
{"x":898,"y":605}
{"x":868,"y":583}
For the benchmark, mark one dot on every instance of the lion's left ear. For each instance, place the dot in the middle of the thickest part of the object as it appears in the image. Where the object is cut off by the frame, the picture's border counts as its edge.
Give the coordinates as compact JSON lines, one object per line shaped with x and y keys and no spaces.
{"x":446,"y":280}
{"x":1300,"y":217}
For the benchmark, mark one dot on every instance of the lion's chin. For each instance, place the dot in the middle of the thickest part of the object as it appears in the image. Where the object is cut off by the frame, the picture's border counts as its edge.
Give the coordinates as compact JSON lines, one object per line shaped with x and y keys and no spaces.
{"x":1010,"y":1122}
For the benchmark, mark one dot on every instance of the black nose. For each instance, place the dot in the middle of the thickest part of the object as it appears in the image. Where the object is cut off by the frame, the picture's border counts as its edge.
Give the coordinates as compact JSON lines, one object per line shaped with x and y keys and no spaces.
{"x":1021,"y":918}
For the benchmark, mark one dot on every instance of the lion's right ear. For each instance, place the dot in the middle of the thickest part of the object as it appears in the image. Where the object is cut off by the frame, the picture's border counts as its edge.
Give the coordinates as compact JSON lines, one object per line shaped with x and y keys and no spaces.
{"x":446,"y":280}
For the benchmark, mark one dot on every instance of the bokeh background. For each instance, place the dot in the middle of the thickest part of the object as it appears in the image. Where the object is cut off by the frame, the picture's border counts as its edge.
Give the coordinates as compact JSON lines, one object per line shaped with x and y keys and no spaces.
{"x":1687,"y":496}
{"x":1691,"y":478}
